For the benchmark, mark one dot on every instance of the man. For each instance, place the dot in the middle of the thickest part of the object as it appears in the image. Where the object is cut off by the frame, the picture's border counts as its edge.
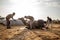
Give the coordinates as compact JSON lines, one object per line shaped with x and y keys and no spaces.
{"x":49,"y":22}
{"x":8,"y":19}
{"x":30,"y":21}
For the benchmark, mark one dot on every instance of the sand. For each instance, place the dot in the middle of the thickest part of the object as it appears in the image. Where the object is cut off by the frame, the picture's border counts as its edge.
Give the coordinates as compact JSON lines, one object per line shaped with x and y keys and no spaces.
{"x":21,"y":33}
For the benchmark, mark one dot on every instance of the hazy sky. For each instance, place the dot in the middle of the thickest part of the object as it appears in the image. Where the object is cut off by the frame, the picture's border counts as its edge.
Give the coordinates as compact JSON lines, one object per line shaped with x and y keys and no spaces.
{"x":39,"y":9}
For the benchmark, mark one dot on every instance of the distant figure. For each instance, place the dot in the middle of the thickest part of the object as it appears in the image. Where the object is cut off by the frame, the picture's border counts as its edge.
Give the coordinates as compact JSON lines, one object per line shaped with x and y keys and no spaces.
{"x":49,"y":22}
{"x":8,"y":19}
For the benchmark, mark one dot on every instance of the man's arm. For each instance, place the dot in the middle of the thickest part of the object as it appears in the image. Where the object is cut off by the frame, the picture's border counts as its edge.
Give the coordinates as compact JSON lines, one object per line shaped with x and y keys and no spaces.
{"x":12,"y":18}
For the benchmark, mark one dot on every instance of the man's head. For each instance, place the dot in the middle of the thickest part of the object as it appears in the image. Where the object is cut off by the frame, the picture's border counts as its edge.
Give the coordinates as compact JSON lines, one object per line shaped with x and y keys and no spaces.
{"x":13,"y":13}
{"x":47,"y":16}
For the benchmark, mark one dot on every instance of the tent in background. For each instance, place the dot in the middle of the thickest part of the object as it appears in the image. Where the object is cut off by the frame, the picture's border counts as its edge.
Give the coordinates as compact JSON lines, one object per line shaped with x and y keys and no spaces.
{"x":1,"y":19}
{"x":14,"y":23}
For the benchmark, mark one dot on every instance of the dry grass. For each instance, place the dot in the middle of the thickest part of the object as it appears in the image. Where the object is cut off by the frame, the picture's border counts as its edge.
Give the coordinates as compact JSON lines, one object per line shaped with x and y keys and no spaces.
{"x":20,"y":33}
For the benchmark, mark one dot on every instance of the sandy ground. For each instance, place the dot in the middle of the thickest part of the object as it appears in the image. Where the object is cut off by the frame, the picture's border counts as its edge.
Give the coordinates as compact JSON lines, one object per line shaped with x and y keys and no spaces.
{"x":21,"y":33}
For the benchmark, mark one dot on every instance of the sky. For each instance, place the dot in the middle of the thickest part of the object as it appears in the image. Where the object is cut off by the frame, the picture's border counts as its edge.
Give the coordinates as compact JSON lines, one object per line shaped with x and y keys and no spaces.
{"x":39,"y":9}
